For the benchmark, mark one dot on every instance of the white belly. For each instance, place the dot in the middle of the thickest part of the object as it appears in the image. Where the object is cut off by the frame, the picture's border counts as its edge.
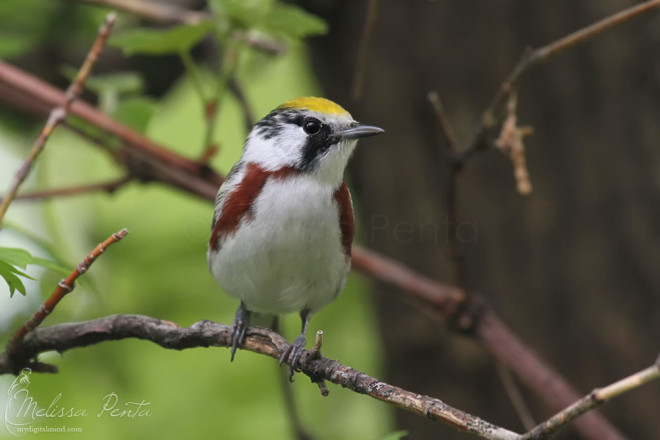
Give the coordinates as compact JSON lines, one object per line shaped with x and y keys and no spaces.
{"x":288,"y":256}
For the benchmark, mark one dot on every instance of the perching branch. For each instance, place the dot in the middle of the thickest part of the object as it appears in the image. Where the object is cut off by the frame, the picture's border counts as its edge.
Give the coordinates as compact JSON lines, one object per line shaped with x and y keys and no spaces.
{"x":63,"y":337}
{"x":169,"y":335}
{"x":14,"y":347}
{"x":58,"y":114}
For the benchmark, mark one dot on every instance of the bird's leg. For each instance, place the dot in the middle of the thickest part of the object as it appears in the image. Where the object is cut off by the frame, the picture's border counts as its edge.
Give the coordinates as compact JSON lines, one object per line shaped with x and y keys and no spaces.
{"x":292,"y":355}
{"x":239,"y":328}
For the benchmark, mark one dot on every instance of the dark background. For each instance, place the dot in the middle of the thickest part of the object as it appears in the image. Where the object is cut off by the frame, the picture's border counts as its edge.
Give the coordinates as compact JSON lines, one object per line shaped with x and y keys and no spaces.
{"x":573,"y":267}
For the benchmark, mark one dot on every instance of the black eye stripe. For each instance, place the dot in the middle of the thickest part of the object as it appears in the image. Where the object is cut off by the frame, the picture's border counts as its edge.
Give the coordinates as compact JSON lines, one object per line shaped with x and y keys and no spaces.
{"x":315,"y":147}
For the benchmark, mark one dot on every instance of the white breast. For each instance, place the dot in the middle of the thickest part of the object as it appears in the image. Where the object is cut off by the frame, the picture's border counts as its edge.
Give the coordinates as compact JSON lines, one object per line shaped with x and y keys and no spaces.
{"x":286,"y":256}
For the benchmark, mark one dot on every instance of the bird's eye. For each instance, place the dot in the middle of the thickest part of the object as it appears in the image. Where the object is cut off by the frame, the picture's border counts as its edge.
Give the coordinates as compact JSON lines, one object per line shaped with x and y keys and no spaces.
{"x":312,"y":126}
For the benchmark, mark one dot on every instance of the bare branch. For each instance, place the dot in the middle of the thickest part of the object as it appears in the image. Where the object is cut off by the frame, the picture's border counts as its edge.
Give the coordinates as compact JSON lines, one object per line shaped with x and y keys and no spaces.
{"x":58,"y":114}
{"x":146,"y":159}
{"x":592,"y":400}
{"x":445,"y":128}
{"x":65,"y":286}
{"x":109,"y":187}
{"x":259,"y":340}
{"x":531,"y":58}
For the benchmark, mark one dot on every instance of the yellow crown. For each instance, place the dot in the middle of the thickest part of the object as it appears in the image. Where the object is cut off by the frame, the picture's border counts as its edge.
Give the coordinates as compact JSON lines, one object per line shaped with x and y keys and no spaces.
{"x":320,"y":105}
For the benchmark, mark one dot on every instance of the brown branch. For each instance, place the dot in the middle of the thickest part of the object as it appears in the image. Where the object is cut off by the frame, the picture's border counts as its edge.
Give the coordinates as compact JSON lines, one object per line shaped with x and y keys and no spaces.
{"x":592,"y":400}
{"x":531,"y":58}
{"x":533,"y":372}
{"x":146,"y":159}
{"x":451,"y":143}
{"x":58,"y":114}
{"x":109,"y":187}
{"x":445,"y":128}
{"x":63,"y":337}
{"x":64,"y":287}
{"x":515,"y":396}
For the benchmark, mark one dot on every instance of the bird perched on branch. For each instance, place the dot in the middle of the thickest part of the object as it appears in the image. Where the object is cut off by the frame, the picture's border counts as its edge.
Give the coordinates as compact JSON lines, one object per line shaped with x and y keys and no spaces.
{"x":283,"y":221}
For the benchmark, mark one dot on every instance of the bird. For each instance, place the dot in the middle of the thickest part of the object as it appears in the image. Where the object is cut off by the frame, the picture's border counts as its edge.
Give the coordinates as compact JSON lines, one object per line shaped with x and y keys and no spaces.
{"x":283,"y":221}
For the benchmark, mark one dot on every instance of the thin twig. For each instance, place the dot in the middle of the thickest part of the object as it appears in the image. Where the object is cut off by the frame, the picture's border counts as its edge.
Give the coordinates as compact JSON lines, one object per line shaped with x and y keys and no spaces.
{"x":515,"y":395}
{"x":109,"y":187}
{"x":445,"y":128}
{"x":531,"y":58}
{"x":211,"y":106}
{"x":363,"y":50}
{"x":236,"y":88}
{"x":452,"y":147}
{"x":65,"y":286}
{"x":59,"y":113}
{"x":63,"y":337}
{"x":158,"y":163}
{"x":592,"y":400}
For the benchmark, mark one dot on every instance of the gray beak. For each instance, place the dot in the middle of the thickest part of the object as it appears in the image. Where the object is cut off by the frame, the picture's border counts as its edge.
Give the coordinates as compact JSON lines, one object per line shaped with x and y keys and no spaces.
{"x":359,"y":131}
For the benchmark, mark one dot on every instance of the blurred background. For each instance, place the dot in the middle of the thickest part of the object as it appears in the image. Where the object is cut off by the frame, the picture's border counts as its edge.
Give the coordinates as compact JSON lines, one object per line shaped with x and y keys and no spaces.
{"x":571,"y":267}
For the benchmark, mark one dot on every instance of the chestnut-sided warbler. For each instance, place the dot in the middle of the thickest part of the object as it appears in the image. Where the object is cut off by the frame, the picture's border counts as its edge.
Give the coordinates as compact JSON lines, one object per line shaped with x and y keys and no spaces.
{"x":283,"y":221}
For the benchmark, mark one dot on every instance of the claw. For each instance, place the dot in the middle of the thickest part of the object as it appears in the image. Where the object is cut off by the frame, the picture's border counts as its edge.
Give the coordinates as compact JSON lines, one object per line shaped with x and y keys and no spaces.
{"x":239,"y":328}
{"x":293,"y":354}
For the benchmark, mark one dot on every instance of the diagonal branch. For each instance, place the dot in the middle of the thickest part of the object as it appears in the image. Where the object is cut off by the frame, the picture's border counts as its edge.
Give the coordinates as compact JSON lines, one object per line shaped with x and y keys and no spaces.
{"x":59,"y":113}
{"x":63,"y":337}
{"x":14,"y":347}
{"x":592,"y":400}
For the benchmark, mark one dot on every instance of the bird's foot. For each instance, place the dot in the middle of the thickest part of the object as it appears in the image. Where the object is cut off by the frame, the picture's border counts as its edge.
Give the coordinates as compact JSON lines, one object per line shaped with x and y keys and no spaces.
{"x":239,"y":329}
{"x":293,"y":355}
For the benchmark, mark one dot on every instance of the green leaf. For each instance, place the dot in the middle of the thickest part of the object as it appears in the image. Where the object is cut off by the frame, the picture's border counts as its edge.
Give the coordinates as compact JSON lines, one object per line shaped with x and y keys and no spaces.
{"x":244,"y":13}
{"x":15,"y":257}
{"x":293,"y":22}
{"x":136,"y":112}
{"x":52,"y":265}
{"x":157,"y":42}
{"x":9,"y":274}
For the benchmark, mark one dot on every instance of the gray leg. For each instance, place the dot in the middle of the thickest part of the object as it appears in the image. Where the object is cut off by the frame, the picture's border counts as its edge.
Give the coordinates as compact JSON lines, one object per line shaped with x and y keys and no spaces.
{"x":293,"y":354}
{"x":239,"y":328}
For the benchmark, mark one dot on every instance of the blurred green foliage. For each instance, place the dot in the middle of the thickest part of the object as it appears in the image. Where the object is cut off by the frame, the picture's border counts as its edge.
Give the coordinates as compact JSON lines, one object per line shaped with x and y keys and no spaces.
{"x":160,"y":268}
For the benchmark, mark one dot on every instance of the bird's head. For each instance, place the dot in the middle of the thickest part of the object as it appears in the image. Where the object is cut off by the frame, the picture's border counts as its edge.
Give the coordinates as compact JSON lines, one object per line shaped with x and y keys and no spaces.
{"x":311,"y":135}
